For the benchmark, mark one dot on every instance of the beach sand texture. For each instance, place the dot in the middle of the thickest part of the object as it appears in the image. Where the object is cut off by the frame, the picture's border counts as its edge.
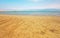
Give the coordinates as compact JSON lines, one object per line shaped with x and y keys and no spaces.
{"x":13,"y":26}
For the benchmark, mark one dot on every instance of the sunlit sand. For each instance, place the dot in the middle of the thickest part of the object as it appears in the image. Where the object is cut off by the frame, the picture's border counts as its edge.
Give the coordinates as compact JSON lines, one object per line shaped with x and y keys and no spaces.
{"x":14,"y":26}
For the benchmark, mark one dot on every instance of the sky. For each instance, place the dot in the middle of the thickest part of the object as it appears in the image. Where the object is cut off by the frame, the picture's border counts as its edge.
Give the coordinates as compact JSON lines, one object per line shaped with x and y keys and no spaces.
{"x":29,"y":4}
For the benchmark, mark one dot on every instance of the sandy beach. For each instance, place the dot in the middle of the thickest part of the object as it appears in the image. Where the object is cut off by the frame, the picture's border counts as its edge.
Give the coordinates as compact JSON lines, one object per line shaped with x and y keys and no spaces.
{"x":15,"y":26}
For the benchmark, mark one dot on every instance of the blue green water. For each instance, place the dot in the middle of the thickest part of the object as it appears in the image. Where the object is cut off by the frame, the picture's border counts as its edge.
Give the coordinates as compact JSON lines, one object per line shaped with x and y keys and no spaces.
{"x":30,"y":13}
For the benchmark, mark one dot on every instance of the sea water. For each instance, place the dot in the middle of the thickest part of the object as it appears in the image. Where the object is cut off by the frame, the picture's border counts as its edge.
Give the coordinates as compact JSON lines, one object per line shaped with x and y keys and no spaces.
{"x":30,"y":13}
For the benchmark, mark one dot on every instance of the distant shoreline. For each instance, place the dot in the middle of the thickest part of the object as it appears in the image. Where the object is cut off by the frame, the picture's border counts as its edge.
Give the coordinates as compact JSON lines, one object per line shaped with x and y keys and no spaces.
{"x":28,"y":15}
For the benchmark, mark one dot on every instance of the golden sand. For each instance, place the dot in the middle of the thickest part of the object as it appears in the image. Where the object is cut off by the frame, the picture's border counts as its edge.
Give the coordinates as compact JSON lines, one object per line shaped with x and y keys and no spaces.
{"x":13,"y":26}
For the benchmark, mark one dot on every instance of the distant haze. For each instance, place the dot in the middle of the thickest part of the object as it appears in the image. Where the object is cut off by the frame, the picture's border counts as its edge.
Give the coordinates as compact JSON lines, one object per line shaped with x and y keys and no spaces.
{"x":28,"y":4}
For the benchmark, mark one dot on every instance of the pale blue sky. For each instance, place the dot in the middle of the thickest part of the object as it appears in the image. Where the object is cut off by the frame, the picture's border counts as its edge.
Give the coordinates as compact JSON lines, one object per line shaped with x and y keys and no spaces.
{"x":28,"y":4}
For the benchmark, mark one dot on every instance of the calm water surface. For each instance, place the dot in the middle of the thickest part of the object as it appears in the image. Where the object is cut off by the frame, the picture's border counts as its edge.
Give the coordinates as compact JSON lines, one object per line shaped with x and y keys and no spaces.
{"x":29,"y":13}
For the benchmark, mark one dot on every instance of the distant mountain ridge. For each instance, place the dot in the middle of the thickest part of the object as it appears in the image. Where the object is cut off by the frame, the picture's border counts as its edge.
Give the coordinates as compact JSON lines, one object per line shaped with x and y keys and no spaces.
{"x":42,"y":10}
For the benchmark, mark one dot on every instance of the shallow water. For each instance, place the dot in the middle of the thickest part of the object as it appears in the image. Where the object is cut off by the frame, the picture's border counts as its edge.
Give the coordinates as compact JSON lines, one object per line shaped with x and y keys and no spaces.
{"x":30,"y":13}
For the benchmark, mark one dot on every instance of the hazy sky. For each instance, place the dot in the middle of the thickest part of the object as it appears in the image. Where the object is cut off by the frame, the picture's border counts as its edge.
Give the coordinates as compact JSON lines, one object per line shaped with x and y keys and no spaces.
{"x":28,"y":4}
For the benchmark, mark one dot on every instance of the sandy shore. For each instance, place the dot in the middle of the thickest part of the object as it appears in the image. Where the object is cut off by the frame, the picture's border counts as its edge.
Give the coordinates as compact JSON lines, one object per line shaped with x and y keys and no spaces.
{"x":13,"y":26}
